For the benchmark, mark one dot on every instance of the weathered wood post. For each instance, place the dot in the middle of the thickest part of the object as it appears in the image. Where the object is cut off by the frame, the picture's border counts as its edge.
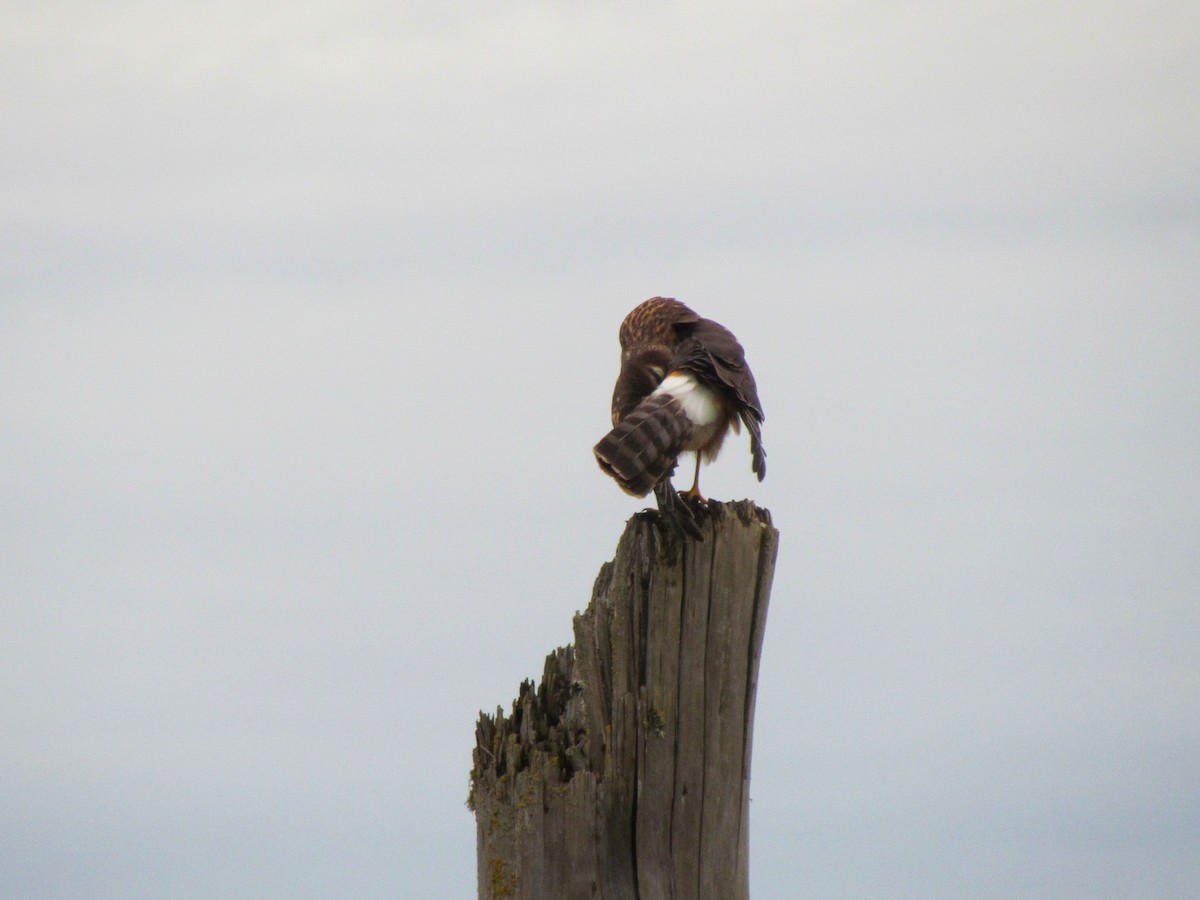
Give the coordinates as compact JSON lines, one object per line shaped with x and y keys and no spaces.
{"x":626,"y":772}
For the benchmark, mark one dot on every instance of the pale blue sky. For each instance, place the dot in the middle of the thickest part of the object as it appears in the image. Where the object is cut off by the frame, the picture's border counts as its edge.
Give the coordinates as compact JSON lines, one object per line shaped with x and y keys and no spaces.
{"x":308,"y":325}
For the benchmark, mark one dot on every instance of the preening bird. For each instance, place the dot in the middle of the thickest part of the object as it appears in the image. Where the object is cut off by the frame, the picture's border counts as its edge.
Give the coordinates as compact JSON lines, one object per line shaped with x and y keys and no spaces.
{"x":684,"y":384}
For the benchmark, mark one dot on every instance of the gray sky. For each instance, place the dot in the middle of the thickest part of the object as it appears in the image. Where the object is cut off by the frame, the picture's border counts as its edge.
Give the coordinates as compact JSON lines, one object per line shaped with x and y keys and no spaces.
{"x":308,"y":325}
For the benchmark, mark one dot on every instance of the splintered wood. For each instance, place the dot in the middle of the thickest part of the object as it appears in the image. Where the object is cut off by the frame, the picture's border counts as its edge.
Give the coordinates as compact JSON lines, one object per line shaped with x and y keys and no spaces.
{"x":625,"y":774}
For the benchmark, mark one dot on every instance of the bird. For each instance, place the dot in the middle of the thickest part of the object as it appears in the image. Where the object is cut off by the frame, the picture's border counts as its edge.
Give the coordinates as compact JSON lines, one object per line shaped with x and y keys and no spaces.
{"x":683,"y":386}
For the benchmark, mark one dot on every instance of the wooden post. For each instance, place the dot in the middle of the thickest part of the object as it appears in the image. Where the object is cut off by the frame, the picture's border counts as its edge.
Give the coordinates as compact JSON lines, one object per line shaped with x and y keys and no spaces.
{"x":625,"y":774}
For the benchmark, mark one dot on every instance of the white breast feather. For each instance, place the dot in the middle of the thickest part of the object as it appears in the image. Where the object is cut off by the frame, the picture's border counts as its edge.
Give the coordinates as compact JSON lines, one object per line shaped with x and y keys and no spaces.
{"x":699,"y":403}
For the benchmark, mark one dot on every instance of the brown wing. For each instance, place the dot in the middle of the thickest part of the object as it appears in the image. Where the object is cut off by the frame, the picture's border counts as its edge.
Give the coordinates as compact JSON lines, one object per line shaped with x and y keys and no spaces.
{"x":710,"y":350}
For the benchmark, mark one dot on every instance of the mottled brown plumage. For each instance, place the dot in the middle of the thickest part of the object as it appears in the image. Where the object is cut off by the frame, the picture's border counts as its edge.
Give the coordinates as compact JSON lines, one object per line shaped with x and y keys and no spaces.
{"x":683,"y":385}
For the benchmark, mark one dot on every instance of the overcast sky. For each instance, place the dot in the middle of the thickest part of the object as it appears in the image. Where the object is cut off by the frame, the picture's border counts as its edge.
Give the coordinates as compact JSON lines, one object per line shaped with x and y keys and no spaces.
{"x":308,"y":321}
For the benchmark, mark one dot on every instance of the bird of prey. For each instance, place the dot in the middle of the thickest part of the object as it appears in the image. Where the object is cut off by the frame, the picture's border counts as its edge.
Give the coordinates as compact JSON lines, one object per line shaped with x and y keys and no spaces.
{"x":683,"y":385}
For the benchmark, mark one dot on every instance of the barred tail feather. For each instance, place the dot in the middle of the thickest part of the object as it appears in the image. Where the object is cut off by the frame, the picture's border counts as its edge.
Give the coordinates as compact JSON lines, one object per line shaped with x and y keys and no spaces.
{"x":641,"y":450}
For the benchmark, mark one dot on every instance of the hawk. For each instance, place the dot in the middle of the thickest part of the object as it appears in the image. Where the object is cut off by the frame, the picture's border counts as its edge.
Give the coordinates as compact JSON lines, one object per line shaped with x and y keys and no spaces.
{"x":684,"y":384}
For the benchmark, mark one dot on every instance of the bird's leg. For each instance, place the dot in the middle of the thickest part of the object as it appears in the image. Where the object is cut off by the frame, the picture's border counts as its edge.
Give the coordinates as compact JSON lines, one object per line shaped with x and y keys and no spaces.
{"x":693,"y":493}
